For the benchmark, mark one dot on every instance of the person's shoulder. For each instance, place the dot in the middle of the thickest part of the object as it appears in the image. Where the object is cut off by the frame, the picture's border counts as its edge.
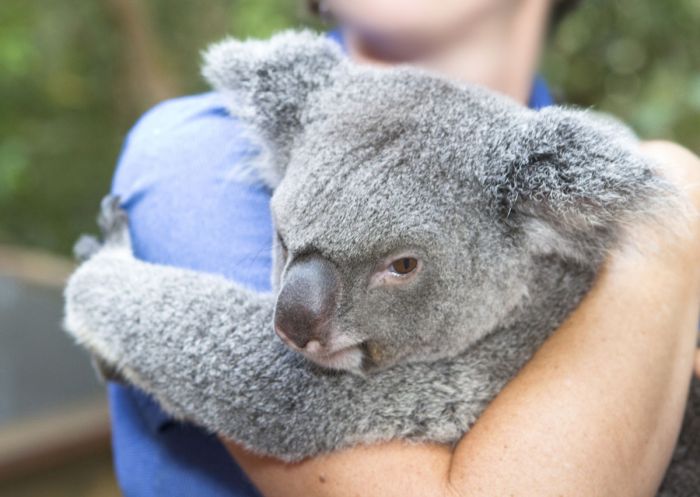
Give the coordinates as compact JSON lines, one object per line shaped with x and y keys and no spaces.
{"x":178,"y":133}
{"x":177,"y":111}
{"x":185,"y":179}
{"x":182,"y":122}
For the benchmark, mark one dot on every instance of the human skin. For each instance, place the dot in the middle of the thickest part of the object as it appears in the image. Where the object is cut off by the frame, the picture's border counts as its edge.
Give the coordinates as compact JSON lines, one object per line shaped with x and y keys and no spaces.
{"x":494,"y":43}
{"x":598,"y":408}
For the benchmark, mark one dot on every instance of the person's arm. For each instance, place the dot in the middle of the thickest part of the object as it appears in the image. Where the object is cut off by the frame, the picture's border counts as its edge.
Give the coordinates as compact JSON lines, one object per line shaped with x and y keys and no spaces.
{"x":595,"y":412}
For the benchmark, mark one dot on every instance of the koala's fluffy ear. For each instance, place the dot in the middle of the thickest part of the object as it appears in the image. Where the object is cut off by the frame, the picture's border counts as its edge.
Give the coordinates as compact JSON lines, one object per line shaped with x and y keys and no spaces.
{"x":574,"y":179}
{"x":268,"y":83}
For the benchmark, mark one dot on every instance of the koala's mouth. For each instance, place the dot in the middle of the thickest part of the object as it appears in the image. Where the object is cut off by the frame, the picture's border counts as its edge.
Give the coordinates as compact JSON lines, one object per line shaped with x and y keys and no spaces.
{"x":361,"y":358}
{"x":347,"y":359}
{"x":340,"y":356}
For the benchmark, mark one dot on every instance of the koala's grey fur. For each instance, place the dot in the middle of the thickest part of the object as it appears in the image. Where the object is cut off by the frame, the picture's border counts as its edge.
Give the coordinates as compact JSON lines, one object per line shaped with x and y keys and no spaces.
{"x":512,"y":210}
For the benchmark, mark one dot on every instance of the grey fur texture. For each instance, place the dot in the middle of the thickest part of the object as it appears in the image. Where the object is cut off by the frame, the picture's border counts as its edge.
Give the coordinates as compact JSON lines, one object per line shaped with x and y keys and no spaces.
{"x":510,"y":212}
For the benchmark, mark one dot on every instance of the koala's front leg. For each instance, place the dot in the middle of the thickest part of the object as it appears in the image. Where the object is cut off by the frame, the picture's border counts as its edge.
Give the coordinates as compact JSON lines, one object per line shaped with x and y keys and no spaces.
{"x":162,"y":328}
{"x":156,"y":324}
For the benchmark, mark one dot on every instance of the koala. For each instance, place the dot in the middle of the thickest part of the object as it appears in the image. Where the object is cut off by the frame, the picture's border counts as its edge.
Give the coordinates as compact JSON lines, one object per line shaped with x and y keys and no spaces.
{"x":430,"y":235}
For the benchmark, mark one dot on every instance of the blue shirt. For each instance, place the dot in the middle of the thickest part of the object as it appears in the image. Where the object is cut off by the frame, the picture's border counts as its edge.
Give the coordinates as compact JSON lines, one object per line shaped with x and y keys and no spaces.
{"x":188,"y":208}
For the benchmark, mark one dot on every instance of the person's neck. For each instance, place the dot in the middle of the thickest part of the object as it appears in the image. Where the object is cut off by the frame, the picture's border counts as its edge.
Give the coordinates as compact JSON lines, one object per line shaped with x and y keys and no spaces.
{"x":500,"y":52}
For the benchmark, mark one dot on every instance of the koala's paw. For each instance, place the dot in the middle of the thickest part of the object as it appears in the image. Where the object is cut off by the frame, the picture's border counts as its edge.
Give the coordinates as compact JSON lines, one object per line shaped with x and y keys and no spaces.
{"x":113,"y":222}
{"x":114,"y":226}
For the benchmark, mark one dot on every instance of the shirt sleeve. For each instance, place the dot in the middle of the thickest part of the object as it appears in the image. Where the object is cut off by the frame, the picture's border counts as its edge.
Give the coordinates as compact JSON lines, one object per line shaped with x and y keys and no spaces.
{"x":182,"y":180}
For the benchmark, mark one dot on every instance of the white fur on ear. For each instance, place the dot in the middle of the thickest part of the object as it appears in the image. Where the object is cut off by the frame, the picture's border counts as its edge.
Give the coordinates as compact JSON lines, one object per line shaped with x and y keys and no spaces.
{"x":267,"y":85}
{"x":543,"y":239}
{"x":575,"y":179}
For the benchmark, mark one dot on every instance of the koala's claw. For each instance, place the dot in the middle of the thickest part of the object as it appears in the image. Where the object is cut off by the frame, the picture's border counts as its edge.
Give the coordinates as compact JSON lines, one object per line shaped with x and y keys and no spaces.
{"x":86,"y":247}
{"x":113,"y":222}
{"x":114,"y":226}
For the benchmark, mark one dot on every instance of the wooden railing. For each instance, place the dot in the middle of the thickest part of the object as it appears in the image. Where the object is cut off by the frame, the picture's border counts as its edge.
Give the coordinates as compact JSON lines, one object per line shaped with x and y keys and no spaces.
{"x":65,"y":430}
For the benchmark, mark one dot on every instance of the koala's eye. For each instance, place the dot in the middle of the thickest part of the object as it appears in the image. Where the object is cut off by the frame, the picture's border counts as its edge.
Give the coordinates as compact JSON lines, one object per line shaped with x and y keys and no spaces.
{"x":396,"y":272}
{"x":404,"y":265}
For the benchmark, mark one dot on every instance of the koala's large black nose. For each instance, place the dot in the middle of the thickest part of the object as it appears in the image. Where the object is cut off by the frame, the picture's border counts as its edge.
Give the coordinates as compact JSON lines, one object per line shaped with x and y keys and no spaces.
{"x":306,"y":301}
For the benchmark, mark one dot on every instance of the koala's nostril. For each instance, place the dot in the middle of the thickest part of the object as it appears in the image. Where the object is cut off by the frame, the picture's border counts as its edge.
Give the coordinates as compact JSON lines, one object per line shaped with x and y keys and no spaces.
{"x":299,"y":326}
{"x":306,"y":302}
{"x":313,"y":347}
{"x":299,"y":322}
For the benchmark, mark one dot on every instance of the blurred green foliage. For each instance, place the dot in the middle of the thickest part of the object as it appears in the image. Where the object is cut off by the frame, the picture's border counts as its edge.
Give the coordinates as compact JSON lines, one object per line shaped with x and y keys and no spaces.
{"x":74,"y":75}
{"x":638,"y":59}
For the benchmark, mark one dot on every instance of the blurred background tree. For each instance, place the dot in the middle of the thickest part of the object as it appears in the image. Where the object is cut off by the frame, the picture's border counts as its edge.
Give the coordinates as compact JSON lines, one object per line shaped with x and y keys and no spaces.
{"x":75,"y":75}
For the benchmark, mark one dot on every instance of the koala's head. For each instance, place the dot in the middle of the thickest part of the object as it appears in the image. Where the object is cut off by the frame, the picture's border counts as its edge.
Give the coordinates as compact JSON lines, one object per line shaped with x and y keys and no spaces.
{"x":411,"y":212}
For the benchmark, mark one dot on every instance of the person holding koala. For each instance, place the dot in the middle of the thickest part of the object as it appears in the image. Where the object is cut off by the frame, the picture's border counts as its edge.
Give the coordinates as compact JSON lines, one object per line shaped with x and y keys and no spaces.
{"x":617,"y":426}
